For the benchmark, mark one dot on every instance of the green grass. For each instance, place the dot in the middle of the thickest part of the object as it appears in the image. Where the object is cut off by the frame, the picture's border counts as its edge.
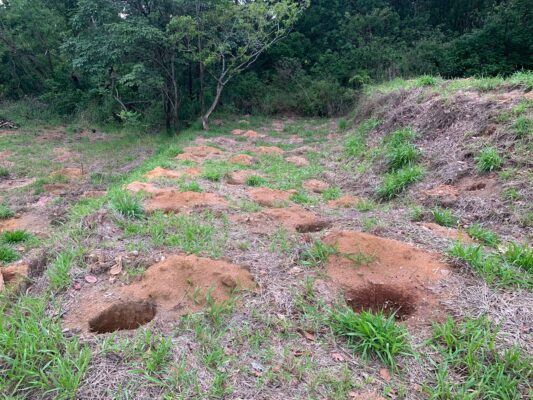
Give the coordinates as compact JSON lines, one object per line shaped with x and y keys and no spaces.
{"x":372,"y":334}
{"x":485,"y":236}
{"x":331,"y":193}
{"x":472,"y":366}
{"x":6,"y":212}
{"x":35,"y":355}
{"x":520,"y":255}
{"x":284,"y":175}
{"x":427,"y":80}
{"x":4,"y":172}
{"x":59,"y":272}
{"x":8,"y":255}
{"x":190,"y":187}
{"x":488,"y":160}
{"x":212,"y":175}
{"x":494,"y":268}
{"x":523,"y":127}
{"x":256,"y":180}
{"x":365,"y":205}
{"x":301,"y":197}
{"x":401,"y":155}
{"x":16,"y":236}
{"x":126,"y":204}
{"x":342,"y":124}
{"x":396,"y":182}
{"x":317,"y":254}
{"x":355,"y":144}
{"x":445,"y":217}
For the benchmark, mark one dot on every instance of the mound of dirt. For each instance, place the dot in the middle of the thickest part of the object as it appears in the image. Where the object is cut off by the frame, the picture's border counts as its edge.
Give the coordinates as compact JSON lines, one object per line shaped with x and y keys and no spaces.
{"x":271,"y":150}
{"x":169,"y":289}
{"x":13,"y":277}
{"x":33,"y":222}
{"x":377,"y":273}
{"x":199,"y":153}
{"x":315,"y":185}
{"x":346,"y":201}
{"x":8,"y":184}
{"x":56,"y":188}
{"x":70,"y":172}
{"x":299,"y":161}
{"x":159,"y":172}
{"x":293,"y":218}
{"x":242,"y":159}
{"x":270,"y":197}
{"x":137,"y":187}
{"x":173,"y":201}
{"x":467,"y":189}
{"x":240,"y":177}
{"x":249,"y":133}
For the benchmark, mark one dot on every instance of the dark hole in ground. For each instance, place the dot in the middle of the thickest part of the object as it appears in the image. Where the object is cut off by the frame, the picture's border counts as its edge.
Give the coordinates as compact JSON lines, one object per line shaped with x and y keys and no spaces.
{"x":477,"y":186}
{"x":312,"y":227}
{"x":386,"y":298}
{"x":123,"y":316}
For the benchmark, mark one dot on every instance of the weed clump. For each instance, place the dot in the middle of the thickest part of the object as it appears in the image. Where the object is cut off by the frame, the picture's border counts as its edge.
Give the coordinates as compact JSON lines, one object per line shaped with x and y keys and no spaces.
{"x":8,"y":255}
{"x":18,"y":236}
{"x":488,"y":160}
{"x":6,"y":212}
{"x":317,"y":254}
{"x":445,"y":217}
{"x":396,"y":182}
{"x":485,"y":236}
{"x":126,"y":204}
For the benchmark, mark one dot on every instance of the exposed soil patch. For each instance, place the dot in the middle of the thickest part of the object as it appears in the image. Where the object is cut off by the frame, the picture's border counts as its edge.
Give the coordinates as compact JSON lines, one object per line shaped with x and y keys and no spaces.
{"x":63,"y":154}
{"x":56,"y":188}
{"x":8,"y":184}
{"x":242,"y":159}
{"x":175,"y":286}
{"x":173,"y":201}
{"x":271,"y":150}
{"x":270,"y":197}
{"x":137,"y":187}
{"x":5,"y":154}
{"x":240,"y":177}
{"x":449,"y":233}
{"x":346,"y":201}
{"x":91,"y":194}
{"x":123,"y":316}
{"x":13,"y":277}
{"x":35,"y":223}
{"x":387,"y":273}
{"x":159,"y":172}
{"x":299,"y":161}
{"x":293,"y":218}
{"x":249,"y":133}
{"x":315,"y":185}
{"x":70,"y":172}
{"x":468,"y":188}
{"x":199,"y":153}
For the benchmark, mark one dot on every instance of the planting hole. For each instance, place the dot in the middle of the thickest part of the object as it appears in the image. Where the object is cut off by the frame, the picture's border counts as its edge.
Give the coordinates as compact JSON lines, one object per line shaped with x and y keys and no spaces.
{"x":386,"y":298}
{"x":123,"y":316}
{"x":312,"y":226}
{"x":477,"y":186}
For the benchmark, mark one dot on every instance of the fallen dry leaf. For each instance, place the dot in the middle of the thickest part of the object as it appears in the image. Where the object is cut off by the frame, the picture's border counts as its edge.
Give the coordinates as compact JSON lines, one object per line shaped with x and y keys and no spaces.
{"x":91,"y":279}
{"x":117,"y":268}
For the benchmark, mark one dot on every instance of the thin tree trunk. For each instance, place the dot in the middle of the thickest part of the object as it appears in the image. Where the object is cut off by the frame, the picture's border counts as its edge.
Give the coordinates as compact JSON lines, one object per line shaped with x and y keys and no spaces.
{"x":205,"y":117}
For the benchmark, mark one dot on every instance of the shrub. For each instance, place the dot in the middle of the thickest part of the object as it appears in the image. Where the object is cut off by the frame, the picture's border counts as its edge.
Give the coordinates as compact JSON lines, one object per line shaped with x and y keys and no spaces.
{"x":488,"y":160}
{"x":372,"y":334}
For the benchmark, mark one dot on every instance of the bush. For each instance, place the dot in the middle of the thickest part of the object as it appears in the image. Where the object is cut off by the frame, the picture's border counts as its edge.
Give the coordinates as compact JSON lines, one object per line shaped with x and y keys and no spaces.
{"x":372,"y":334}
{"x":488,"y":160}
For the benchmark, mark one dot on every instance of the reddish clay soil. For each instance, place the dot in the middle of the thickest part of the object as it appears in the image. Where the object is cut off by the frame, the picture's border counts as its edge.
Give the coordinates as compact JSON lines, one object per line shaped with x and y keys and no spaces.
{"x":299,"y":161}
{"x":242,"y":159}
{"x":449,"y":233}
{"x":169,"y":289}
{"x":137,"y":187}
{"x":159,"y":172}
{"x":70,"y":172}
{"x":270,"y":197}
{"x":293,"y":218}
{"x":199,"y":153}
{"x":56,"y":188}
{"x":346,"y":201}
{"x":271,"y":150}
{"x":315,"y":185}
{"x":173,"y":201}
{"x":371,"y":395}
{"x":8,"y":184}
{"x":240,"y":177}
{"x":249,"y":133}
{"x":376,"y":273}
{"x":13,"y":277}
{"x":35,"y":223}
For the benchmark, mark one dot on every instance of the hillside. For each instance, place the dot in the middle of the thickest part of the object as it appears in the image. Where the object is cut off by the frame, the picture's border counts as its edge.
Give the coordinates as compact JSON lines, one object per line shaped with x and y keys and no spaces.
{"x":383,"y":255}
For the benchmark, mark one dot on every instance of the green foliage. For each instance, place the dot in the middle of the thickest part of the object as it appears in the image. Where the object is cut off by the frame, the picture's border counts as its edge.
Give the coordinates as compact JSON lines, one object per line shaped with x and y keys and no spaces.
{"x":355,"y":144}
{"x":302,"y":197}
{"x":401,"y":155}
{"x":317,"y":254}
{"x":494,"y":268}
{"x":8,"y":255}
{"x":488,"y":160}
{"x":16,"y":236}
{"x":331,"y":193}
{"x":126,"y":204}
{"x":523,"y":127}
{"x":190,"y":187}
{"x":36,"y":355}
{"x":485,"y":236}
{"x":472,"y":367}
{"x":426,"y":80}
{"x":372,"y":334}
{"x":445,"y":217}
{"x":256,"y":180}
{"x":342,"y":124}
{"x":6,"y":212}
{"x":396,"y":182}
{"x":4,"y":172}
{"x":520,"y":256}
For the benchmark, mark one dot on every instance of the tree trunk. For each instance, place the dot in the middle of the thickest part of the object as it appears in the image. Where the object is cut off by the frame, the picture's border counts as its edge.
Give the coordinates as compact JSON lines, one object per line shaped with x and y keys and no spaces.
{"x":205,"y":117}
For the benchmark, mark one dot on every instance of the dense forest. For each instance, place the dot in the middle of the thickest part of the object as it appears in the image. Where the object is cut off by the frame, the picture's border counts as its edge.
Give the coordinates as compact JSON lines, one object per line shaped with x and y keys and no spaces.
{"x":172,"y":62}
